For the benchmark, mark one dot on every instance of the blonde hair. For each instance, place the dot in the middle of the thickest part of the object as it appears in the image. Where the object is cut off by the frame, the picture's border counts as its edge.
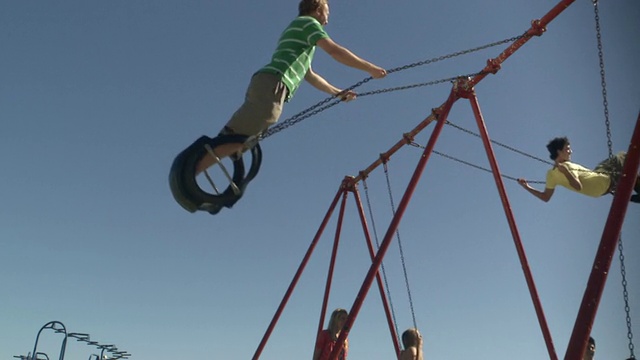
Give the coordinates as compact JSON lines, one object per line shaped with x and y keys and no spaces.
{"x":333,"y":321}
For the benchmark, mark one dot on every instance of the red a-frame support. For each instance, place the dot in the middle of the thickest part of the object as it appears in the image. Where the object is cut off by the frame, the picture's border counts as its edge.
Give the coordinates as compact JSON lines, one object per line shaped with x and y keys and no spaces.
{"x":464,"y":88}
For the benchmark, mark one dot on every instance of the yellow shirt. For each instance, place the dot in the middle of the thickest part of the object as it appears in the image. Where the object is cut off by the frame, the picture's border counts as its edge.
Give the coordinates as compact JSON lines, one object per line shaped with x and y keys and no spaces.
{"x":593,"y":183}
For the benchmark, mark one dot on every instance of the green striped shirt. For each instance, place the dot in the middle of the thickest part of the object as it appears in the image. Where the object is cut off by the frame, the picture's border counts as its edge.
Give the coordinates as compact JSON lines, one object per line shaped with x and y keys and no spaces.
{"x":296,"y":46}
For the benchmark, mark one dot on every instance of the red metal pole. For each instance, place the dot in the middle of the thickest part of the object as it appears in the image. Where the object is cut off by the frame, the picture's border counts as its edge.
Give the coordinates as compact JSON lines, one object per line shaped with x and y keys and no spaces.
{"x":332,"y":262}
{"x":493,"y":65}
{"x":512,"y":223}
{"x":383,"y":296}
{"x":602,"y":263}
{"x":393,"y":226}
{"x":537,"y":28}
{"x":296,"y":277}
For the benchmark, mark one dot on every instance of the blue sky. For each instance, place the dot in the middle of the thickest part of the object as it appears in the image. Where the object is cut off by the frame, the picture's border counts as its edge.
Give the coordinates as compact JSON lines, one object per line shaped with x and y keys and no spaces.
{"x":97,"y":98}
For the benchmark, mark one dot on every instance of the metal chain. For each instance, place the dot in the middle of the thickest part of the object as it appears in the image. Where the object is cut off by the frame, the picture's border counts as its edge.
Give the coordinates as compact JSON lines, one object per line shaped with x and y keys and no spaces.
{"x":429,"y":83}
{"x":625,"y":294}
{"x":510,"y":148}
{"x":404,"y":266}
{"x":414,"y":144}
{"x":458,"y":53}
{"x":384,"y":273}
{"x":499,"y":144}
{"x":607,"y":123}
{"x":300,"y":116}
{"x":603,"y":82}
{"x":327,"y":103}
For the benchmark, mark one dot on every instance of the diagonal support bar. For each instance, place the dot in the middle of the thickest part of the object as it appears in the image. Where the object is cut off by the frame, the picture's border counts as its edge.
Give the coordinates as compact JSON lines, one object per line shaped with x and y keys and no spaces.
{"x":537,"y":28}
{"x":512,"y":225}
{"x":332,"y":262}
{"x":606,"y":250}
{"x":296,"y":277}
{"x":393,"y":226}
{"x":383,"y":296}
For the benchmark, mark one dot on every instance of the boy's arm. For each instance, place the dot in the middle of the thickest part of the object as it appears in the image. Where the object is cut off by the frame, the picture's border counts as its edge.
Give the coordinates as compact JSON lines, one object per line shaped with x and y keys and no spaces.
{"x":542,"y":195}
{"x":346,"y":57}
{"x":321,"y":84}
{"x":573,"y":180}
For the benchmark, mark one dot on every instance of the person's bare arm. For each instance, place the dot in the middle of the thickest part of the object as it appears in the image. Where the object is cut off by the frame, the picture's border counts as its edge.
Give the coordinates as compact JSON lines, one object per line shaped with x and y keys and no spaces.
{"x":346,"y":57}
{"x":542,"y":195}
{"x":573,"y":180}
{"x":408,"y":354}
{"x":321,"y":84}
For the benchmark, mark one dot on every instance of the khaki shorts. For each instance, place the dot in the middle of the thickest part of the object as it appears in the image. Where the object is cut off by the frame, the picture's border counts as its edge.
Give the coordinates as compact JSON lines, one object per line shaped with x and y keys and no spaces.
{"x":262,"y":105}
{"x":613,"y":167}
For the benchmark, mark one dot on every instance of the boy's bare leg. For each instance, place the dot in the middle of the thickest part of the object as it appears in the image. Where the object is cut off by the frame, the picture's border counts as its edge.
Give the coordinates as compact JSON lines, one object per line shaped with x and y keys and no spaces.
{"x":222,"y":151}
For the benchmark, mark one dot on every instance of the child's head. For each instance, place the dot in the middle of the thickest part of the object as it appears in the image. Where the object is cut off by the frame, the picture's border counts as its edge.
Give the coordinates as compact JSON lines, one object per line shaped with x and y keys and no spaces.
{"x":556,"y":145}
{"x":338,"y":317}
{"x":411,"y":337}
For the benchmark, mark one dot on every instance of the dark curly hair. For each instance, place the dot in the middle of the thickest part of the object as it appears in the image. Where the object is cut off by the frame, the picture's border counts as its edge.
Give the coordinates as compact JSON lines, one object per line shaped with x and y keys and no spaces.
{"x":556,"y":145}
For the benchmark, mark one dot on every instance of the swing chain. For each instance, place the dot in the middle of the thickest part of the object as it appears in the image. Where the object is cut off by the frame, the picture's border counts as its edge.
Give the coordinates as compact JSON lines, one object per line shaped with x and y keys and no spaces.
{"x":605,"y":103}
{"x":404,"y":266}
{"x":384,"y":272}
{"x":318,"y":108}
{"x":429,"y":83}
{"x":326,"y":103}
{"x":602,"y":78}
{"x":510,"y":148}
{"x":313,"y":110}
{"x":457,"y":53}
{"x":625,"y":293}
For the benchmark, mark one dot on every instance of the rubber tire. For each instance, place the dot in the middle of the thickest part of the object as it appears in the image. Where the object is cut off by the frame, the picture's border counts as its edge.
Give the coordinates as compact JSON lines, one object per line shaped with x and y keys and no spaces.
{"x":183,"y":183}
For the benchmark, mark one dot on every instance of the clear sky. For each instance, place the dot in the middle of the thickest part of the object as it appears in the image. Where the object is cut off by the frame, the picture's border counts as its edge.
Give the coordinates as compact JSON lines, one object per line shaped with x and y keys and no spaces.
{"x":98,"y":97}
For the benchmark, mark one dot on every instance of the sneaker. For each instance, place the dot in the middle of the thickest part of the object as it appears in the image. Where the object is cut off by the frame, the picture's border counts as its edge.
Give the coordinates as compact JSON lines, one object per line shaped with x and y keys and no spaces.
{"x":635,"y":198}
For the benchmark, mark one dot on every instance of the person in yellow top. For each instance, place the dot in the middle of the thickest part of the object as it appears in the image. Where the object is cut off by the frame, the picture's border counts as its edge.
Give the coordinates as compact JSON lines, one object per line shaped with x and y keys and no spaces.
{"x":598,"y":182}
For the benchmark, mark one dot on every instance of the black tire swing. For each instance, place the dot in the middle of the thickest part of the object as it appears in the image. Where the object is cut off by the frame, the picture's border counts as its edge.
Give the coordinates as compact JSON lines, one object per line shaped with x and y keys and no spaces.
{"x":182,"y":176}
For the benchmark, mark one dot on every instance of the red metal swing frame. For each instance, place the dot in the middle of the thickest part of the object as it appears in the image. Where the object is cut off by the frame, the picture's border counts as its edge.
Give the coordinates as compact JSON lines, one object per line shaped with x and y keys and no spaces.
{"x":463,"y":88}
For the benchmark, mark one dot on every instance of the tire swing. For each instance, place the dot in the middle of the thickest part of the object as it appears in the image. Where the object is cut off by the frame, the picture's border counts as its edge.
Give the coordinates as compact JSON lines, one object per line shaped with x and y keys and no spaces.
{"x":182,"y":176}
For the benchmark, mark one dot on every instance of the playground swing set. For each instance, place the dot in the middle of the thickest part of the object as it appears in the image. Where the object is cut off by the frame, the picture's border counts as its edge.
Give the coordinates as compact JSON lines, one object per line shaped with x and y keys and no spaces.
{"x":190,"y":196}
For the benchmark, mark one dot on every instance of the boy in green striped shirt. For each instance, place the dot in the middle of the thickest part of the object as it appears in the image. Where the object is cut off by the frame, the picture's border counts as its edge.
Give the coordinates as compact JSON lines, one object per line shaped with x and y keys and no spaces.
{"x":277,"y":82}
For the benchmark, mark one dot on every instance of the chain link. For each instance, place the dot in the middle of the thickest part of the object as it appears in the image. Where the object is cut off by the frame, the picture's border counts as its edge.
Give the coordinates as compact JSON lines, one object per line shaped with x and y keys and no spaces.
{"x":610,"y":172}
{"x":384,"y":273}
{"x":607,"y":123}
{"x":404,"y":266}
{"x":603,"y":82}
{"x":429,"y":83}
{"x":500,"y":144}
{"x":334,"y":100}
{"x":625,"y":294}
{"x":458,"y":53}
{"x":414,"y":144}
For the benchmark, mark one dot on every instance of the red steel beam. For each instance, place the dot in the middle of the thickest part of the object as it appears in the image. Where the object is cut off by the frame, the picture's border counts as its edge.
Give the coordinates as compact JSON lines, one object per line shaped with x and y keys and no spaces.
{"x":512,"y":224}
{"x":493,"y":65}
{"x":602,"y":263}
{"x":332,"y":262}
{"x":537,"y":28}
{"x":296,"y":277}
{"x":383,"y":296}
{"x":393,"y":226}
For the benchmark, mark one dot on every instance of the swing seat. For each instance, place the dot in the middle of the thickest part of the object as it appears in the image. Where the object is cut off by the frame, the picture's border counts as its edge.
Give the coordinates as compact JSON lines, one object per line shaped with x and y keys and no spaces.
{"x":182,"y":178}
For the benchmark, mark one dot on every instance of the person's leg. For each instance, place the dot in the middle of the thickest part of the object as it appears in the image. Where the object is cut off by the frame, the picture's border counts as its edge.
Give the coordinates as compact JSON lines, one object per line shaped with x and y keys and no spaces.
{"x":261,"y":108}
{"x":221,"y":151}
{"x":636,"y":197}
